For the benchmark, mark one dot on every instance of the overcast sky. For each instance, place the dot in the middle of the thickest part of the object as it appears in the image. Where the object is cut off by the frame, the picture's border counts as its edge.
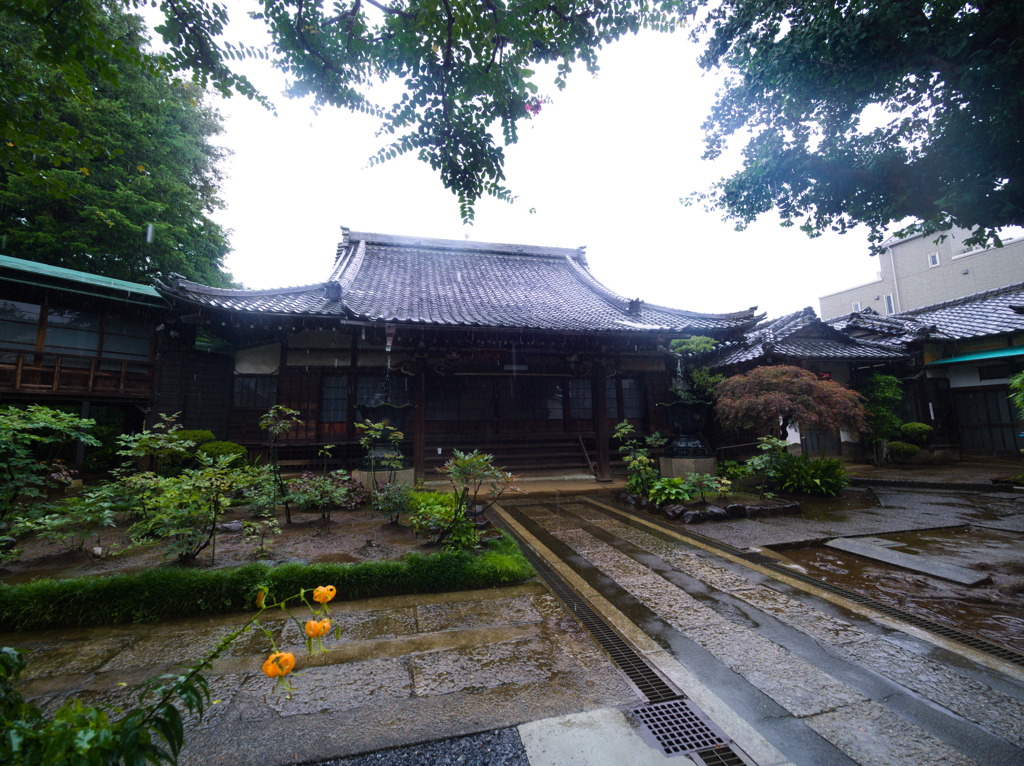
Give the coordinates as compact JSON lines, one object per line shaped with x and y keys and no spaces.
{"x":604,"y":165}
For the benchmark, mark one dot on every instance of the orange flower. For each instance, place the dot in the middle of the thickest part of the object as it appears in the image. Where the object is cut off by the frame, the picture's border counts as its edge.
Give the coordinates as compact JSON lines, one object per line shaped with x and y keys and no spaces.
{"x":317,"y":628}
{"x":324,"y":593}
{"x":261,"y":598}
{"x":279,"y":664}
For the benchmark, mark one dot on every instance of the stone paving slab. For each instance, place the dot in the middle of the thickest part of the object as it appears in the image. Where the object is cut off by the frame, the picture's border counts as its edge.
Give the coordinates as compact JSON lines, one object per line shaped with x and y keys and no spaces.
{"x":796,"y":685}
{"x":472,"y":614}
{"x":945,"y":685}
{"x":800,"y":616}
{"x":873,"y":736}
{"x":920,"y":563}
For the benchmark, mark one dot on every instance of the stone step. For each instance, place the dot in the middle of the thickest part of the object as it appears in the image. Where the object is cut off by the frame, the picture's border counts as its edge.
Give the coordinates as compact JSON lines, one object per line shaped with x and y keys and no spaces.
{"x":915,"y":563}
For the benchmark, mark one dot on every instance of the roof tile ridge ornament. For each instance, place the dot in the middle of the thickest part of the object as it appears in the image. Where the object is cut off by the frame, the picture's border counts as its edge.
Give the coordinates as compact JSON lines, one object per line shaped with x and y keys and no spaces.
{"x":346,"y":267}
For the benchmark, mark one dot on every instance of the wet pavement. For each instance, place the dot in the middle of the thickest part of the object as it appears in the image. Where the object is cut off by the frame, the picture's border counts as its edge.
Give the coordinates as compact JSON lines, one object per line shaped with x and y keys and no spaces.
{"x":506,"y":676}
{"x":411,"y":669}
{"x":822,"y":683}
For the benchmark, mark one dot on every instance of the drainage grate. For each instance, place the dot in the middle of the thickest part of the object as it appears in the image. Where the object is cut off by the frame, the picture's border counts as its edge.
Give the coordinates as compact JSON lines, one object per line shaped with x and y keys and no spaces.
{"x":646,"y":680}
{"x":678,"y":728}
{"x":670,"y":712}
{"x":720,"y":756}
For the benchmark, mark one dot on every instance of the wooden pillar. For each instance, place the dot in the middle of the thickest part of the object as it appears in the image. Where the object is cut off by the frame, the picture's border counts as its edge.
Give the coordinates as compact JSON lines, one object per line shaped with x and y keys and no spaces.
{"x":419,"y":441}
{"x":604,"y":463}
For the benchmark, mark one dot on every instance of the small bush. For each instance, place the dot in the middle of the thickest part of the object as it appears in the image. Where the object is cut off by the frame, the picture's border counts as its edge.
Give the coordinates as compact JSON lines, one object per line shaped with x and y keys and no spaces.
{"x":916,"y":433}
{"x":161,"y":594}
{"x":392,"y":500}
{"x":802,"y":475}
{"x":900,"y":451}
{"x":197,"y":436}
{"x":665,"y":491}
{"x":421,"y":498}
{"x":217,"y":449}
{"x":732,"y":470}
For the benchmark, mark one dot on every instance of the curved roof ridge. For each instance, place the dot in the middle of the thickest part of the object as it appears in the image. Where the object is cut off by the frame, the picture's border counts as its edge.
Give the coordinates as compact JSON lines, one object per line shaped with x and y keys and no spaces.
{"x":176,"y":282}
{"x":433,"y":243}
{"x":347,"y":268}
{"x":622,"y":303}
{"x":590,"y":281}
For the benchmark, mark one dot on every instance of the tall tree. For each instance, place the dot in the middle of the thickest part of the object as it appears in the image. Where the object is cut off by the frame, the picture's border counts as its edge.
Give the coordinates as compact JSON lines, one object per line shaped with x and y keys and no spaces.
{"x":805,"y":77}
{"x":871,"y":111}
{"x":109,"y":168}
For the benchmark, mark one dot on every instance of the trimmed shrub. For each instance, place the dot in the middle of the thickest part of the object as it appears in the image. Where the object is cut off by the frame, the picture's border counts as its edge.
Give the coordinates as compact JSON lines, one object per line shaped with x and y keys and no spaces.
{"x":216,"y":449}
{"x":916,"y":433}
{"x":160,"y":594}
{"x":900,"y":451}
{"x":196,"y":436}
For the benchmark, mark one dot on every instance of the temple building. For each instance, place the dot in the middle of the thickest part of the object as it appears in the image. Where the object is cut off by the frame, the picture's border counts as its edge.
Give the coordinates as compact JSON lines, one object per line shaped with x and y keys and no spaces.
{"x":515,"y":350}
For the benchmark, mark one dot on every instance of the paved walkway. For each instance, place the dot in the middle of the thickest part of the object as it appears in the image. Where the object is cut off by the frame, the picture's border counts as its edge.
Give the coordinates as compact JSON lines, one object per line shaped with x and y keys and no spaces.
{"x":505,"y":676}
{"x":820,"y":683}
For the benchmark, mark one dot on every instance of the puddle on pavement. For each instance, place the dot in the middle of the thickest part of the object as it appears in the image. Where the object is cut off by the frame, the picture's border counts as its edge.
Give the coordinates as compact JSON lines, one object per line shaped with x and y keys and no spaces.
{"x":838,"y":508}
{"x":994,"y":612}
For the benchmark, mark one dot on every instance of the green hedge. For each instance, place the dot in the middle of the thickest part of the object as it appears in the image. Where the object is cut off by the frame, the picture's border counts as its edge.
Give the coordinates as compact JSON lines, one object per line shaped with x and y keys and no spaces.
{"x":159,"y":594}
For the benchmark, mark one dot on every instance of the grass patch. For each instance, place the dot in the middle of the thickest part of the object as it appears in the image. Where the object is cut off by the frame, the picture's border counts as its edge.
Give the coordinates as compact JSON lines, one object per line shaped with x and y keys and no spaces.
{"x":160,"y":594}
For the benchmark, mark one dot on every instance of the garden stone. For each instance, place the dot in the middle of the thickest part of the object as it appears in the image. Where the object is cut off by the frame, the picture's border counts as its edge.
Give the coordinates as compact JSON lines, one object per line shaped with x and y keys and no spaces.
{"x":736,"y":510}
{"x":7,"y":543}
{"x":791,"y":508}
{"x":715,"y":513}
{"x":753,"y":511}
{"x":230,"y":526}
{"x":674,"y":511}
{"x":693,"y":517}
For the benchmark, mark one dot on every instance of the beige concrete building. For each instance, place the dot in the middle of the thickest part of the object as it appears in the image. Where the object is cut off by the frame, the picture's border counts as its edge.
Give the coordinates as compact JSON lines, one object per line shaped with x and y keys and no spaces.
{"x":920,"y":271}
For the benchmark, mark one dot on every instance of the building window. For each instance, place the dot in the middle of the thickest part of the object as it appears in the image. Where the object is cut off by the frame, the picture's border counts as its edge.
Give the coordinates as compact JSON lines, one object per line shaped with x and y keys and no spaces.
{"x":856,"y":305}
{"x":933,"y":260}
{"x":334,"y":399}
{"x":996,"y":372}
{"x":581,"y":399}
{"x":255,"y":391}
{"x":890,"y":308}
{"x":19,"y":326}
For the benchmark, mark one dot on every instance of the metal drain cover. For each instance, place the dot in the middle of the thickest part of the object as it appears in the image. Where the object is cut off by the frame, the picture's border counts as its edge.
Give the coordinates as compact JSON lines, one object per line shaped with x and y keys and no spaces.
{"x":677,"y":727}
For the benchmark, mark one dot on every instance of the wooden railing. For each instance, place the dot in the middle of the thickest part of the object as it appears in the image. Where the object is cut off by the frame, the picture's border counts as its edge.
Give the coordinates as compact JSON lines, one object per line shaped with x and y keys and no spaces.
{"x":56,"y":374}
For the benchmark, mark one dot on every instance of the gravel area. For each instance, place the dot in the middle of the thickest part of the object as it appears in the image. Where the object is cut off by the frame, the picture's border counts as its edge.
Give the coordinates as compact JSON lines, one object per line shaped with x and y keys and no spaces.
{"x":501,"y":747}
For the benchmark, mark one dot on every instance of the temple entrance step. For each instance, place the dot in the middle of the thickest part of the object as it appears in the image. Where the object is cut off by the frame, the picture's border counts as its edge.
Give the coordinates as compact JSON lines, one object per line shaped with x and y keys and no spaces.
{"x":517,"y":453}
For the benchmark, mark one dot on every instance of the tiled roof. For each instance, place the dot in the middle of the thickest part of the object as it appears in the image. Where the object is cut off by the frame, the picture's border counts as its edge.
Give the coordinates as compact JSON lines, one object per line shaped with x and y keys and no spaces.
{"x":801,"y":335}
{"x":989,"y":313}
{"x":379,"y":277}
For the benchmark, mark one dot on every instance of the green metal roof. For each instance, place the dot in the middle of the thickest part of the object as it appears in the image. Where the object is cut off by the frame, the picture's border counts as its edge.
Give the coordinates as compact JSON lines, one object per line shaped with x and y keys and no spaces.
{"x":45,"y":276}
{"x":994,"y":353}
